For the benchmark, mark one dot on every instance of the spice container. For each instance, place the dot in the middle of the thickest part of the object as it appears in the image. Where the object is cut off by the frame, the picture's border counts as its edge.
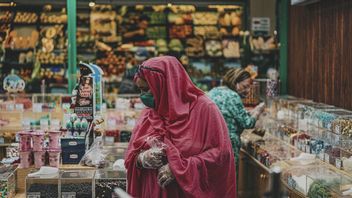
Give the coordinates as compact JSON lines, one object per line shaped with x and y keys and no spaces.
{"x":8,"y":184}
{"x":342,"y":126}
{"x":41,"y":186}
{"x":76,"y":183}
{"x":107,"y":180}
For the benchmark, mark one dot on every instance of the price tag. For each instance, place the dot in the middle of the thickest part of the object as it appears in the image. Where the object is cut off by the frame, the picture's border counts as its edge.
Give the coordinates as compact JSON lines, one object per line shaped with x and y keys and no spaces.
{"x":33,"y":194}
{"x":337,"y":129}
{"x":307,"y":149}
{"x":37,"y":107}
{"x":109,"y":139}
{"x":321,"y":156}
{"x":68,"y":194}
{"x":326,"y":157}
{"x":338,"y":163}
{"x":19,"y":107}
{"x":10,"y":107}
{"x":44,"y":124}
{"x":26,"y":124}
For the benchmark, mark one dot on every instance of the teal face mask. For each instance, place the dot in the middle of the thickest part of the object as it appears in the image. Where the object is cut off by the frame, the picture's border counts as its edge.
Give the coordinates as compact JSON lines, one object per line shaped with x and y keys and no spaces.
{"x":148,"y":99}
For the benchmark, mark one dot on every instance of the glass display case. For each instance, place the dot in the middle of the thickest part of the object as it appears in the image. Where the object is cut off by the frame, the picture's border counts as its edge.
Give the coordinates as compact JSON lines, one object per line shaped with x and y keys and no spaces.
{"x":8,"y":184}
{"x":42,"y":186}
{"x":114,"y":152}
{"x":106,"y":181}
{"x":317,"y":181}
{"x":76,"y":183}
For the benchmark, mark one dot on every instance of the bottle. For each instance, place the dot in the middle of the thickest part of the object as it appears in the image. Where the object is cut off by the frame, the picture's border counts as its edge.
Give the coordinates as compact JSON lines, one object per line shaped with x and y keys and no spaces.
{"x":275,"y":190}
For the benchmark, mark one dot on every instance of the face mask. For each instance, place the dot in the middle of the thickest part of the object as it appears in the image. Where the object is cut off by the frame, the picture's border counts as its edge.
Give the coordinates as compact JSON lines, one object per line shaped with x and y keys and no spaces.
{"x":148,"y":99}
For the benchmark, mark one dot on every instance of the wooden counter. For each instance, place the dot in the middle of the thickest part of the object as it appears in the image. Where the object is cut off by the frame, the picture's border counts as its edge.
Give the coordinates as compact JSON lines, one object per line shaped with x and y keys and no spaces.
{"x":254,"y":179}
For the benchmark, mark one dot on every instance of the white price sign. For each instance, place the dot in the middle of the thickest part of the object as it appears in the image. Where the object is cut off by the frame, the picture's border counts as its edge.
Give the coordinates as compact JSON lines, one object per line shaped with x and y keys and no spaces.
{"x":37,"y":107}
{"x":68,"y":195}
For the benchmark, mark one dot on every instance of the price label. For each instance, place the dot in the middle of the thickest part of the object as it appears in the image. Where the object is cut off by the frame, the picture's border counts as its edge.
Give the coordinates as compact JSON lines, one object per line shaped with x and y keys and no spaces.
{"x":19,"y":107}
{"x":321,"y":156}
{"x":295,"y":143}
{"x":68,"y":194}
{"x":337,"y":129}
{"x":37,"y":107}
{"x":44,"y":124}
{"x":33,"y":194}
{"x":307,"y":149}
{"x":10,"y":107}
{"x":326,"y":157}
{"x":338,"y":163}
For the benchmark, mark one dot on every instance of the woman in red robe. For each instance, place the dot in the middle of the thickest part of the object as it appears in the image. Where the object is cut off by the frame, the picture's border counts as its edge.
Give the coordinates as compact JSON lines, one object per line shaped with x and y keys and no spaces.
{"x":195,"y":158}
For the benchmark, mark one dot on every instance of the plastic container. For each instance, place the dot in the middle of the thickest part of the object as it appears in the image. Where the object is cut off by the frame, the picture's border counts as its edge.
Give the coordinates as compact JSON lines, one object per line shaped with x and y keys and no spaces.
{"x":8,"y":184}
{"x":107,"y":180}
{"x":54,"y":137}
{"x":42,"y":186}
{"x":25,"y":157}
{"x":38,"y":140}
{"x":54,"y":157}
{"x":77,"y":183}
{"x":39,"y":158}
{"x":25,"y":141}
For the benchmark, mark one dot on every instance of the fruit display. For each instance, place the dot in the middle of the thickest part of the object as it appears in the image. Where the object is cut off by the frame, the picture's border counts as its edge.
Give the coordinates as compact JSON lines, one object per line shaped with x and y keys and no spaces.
{"x":26,"y":17}
{"x":205,"y":18}
{"x":6,"y":16}
{"x":213,"y":48}
{"x":183,"y":8}
{"x":50,"y":58}
{"x":230,"y":31}
{"x":180,"y":31}
{"x":231,"y":49}
{"x":176,"y":45}
{"x":53,"y":18}
{"x":179,"y":19}
{"x":157,"y":18}
{"x":211,"y":32}
{"x":112,"y":64}
{"x":195,"y":47}
{"x":230,"y":19}
{"x":16,"y":41}
{"x":156,"y":32}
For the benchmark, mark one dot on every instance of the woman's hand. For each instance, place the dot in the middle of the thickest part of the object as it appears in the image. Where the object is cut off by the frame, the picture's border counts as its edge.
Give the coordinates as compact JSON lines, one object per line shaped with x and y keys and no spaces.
{"x":259,"y":109}
{"x":151,"y":158}
{"x":165,"y":176}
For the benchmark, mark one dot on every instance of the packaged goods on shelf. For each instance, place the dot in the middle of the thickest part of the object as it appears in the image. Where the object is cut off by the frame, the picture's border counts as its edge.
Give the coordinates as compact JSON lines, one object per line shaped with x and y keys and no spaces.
{"x":8,"y":184}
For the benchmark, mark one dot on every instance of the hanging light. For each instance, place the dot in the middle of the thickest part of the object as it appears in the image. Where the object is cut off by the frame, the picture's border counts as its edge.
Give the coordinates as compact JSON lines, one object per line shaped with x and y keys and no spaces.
{"x":91,"y":4}
{"x":169,"y":5}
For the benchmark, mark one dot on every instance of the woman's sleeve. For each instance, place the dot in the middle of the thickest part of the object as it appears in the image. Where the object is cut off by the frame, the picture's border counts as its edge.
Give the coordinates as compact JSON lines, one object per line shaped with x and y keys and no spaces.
{"x":212,"y":171}
{"x":240,"y":114}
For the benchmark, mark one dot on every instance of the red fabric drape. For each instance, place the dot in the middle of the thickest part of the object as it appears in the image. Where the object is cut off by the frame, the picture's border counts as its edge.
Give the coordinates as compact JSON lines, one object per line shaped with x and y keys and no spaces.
{"x":198,"y":146}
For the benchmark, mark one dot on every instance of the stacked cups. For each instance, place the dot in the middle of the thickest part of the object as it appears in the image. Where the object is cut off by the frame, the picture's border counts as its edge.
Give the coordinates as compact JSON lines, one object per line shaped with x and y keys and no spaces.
{"x":25,"y":148}
{"x":54,"y":148}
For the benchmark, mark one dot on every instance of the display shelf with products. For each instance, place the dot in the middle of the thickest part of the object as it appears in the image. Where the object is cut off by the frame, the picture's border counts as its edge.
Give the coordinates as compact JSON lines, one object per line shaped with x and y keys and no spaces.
{"x":315,"y":160}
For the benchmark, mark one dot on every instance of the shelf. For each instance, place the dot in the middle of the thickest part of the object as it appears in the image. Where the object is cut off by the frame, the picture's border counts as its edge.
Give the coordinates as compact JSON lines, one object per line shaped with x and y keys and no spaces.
{"x":20,"y":50}
{"x":48,"y":65}
{"x":52,"y":24}
{"x":25,"y":24}
{"x":16,"y":64}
